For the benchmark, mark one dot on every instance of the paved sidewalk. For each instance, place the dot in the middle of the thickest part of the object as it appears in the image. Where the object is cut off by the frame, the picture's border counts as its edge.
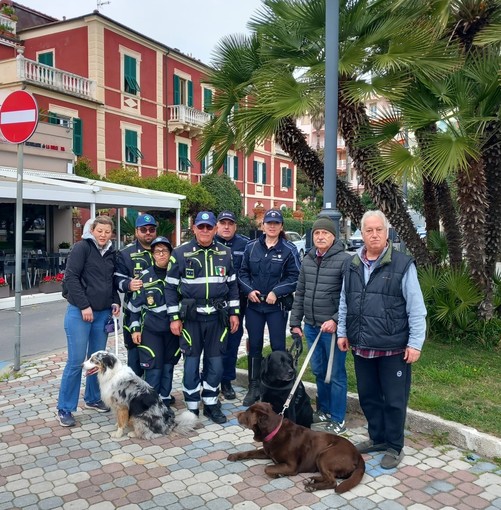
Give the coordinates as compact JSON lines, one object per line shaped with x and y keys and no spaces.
{"x":45,"y":466}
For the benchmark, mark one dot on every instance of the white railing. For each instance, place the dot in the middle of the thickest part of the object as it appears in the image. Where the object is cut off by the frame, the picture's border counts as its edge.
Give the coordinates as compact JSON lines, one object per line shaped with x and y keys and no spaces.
{"x":9,"y":23}
{"x":186,"y":115}
{"x":62,"y":81}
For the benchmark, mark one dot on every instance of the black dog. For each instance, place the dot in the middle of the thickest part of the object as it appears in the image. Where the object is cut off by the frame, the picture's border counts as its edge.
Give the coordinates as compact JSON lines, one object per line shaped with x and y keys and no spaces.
{"x":277,"y":378}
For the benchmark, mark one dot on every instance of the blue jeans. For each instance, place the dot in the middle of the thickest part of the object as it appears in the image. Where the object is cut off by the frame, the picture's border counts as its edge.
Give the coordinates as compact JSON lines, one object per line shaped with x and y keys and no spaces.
{"x":331,"y":397}
{"x":83,"y":338}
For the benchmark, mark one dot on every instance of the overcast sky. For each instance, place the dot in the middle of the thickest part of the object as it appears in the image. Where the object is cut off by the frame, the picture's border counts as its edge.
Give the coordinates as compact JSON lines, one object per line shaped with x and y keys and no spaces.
{"x":192,"y":26}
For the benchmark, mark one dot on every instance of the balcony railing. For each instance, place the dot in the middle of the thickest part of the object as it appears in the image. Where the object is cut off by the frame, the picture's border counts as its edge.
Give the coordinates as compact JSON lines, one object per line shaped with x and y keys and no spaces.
{"x":9,"y":23}
{"x":186,"y":118}
{"x":55,"y":79}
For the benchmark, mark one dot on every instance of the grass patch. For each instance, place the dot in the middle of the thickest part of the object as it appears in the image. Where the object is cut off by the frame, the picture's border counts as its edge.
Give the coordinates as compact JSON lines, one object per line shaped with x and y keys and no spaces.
{"x":461,"y":383}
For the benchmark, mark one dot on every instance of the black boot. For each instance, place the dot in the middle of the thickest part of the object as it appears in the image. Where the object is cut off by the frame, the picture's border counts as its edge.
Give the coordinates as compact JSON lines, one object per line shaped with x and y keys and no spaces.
{"x":254,"y":381}
{"x":227,"y":390}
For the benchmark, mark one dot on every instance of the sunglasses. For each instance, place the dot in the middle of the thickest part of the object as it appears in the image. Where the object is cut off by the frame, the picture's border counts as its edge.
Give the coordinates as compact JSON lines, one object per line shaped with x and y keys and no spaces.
{"x":161,"y":252}
{"x":151,"y":230}
{"x":205,"y":227}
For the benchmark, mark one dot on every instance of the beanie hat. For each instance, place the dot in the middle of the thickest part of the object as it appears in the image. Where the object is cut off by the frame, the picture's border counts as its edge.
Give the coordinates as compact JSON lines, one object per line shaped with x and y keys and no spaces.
{"x":324,"y":223}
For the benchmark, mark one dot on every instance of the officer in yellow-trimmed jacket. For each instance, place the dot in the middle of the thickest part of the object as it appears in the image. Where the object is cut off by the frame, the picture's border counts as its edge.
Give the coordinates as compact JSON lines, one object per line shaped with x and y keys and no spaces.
{"x":203,"y":305}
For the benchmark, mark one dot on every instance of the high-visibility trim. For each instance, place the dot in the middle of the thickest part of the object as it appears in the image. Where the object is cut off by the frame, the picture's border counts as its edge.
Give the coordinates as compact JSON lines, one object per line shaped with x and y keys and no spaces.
{"x":204,"y":280}
{"x":147,"y":349}
{"x":191,"y":392}
{"x":223,"y":336}
{"x":187,"y":336}
{"x":172,"y":281}
{"x":173,"y":309}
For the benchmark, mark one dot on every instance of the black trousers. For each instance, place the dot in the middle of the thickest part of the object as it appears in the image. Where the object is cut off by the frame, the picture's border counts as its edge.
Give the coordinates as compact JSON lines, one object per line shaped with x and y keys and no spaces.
{"x":383,"y":385}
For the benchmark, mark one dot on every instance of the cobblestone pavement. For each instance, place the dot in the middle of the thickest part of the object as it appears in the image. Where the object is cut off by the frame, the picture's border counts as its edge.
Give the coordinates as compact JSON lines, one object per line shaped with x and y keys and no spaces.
{"x":45,"y":466}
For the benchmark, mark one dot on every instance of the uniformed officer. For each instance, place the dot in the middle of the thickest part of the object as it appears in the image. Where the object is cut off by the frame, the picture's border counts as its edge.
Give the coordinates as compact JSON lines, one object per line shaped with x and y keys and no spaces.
{"x":269,"y":274}
{"x":149,"y":323}
{"x":131,"y":262}
{"x":203,"y":305}
{"x":226,"y":234}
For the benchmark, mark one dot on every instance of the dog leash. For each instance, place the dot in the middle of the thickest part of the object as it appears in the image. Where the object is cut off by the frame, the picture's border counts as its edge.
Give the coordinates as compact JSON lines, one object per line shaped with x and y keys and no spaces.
{"x":328,"y":373}
{"x":301,"y":372}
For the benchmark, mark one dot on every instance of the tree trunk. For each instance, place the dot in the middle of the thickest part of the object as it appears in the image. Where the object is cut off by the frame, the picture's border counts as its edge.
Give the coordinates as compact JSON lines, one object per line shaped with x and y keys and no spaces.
{"x":293,"y":141}
{"x":450,"y":221}
{"x":385,"y":195}
{"x":431,"y":209}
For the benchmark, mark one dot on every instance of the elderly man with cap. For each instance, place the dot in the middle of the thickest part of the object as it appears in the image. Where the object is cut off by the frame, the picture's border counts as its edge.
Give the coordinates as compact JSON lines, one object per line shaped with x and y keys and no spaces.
{"x":226,"y":234}
{"x":131,"y":262}
{"x":149,"y":323}
{"x":316,"y":302}
{"x":268,"y":276}
{"x":203,"y":305}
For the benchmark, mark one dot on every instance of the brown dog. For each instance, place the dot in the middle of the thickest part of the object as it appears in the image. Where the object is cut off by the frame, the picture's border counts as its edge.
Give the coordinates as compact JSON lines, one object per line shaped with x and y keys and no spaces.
{"x":295,"y":449}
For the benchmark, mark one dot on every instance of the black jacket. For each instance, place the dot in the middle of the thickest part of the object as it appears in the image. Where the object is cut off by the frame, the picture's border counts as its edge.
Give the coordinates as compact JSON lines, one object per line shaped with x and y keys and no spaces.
{"x":88,"y":278}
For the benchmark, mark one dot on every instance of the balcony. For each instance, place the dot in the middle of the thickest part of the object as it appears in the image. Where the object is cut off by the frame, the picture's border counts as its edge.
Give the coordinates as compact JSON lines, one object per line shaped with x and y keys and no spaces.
{"x":185,"y":118}
{"x":28,"y":71}
{"x":7,"y":24}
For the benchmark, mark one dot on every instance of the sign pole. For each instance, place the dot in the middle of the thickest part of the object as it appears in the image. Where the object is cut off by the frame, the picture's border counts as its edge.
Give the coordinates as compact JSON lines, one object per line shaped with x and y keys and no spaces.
{"x":18,"y":122}
{"x":19,"y":254}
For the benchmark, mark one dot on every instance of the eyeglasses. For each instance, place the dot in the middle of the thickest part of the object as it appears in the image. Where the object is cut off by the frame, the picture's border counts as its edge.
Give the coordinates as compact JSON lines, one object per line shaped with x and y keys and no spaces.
{"x":161,"y":252}
{"x":151,"y":230}
{"x":205,"y":227}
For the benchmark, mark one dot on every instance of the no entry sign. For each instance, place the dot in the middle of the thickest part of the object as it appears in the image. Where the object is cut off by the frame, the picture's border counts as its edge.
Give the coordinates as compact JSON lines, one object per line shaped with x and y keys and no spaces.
{"x":18,"y":116}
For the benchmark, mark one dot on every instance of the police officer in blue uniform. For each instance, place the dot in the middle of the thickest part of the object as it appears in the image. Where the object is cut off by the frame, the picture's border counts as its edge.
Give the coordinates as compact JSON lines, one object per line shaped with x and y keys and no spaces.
{"x":226,"y":234}
{"x":203,"y":304}
{"x":268,"y":275}
{"x":131,"y":262}
{"x":149,"y":324}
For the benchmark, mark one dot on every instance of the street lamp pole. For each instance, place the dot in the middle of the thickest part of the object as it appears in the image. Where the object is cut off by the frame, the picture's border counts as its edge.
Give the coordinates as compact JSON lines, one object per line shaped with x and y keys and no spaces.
{"x":331,"y":110}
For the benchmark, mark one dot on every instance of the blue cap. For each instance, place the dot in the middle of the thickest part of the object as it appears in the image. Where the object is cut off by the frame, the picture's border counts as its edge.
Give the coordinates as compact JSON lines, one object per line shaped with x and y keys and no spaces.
{"x":145,"y":219}
{"x":273,"y":215}
{"x":227,"y":215}
{"x":205,"y":218}
{"x":161,"y":240}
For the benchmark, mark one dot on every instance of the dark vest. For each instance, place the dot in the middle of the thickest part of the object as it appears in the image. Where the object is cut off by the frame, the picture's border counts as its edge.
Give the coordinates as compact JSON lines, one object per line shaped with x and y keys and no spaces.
{"x":376,"y":316}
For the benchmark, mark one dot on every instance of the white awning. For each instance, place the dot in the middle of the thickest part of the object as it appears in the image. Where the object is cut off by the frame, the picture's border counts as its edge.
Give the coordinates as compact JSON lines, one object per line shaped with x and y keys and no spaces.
{"x":68,"y":189}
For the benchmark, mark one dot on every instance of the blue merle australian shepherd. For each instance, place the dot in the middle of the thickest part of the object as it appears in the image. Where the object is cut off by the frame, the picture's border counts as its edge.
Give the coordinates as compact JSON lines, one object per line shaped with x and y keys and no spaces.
{"x":134,"y":401}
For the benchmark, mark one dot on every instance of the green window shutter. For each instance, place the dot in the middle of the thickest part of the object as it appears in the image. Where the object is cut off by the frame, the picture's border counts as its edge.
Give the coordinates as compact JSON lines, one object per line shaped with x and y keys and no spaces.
{"x":202,"y":166}
{"x":177,"y":90}
{"x":184,"y":163}
{"x":235,"y":168}
{"x":132,"y":153}
{"x":264,"y":173}
{"x":288,"y":177}
{"x":255,"y":170}
{"x":53,"y":118}
{"x":283,"y":177}
{"x":77,"y":137}
{"x":207,"y":99}
{"x":46,"y":58}
{"x":190,"y":93}
{"x":225,"y":165}
{"x":130,"y":86}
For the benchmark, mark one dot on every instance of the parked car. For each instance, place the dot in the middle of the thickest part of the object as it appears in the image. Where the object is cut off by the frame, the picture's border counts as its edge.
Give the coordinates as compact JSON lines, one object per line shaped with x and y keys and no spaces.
{"x":421,"y":231}
{"x":355,"y":240}
{"x":299,"y":241}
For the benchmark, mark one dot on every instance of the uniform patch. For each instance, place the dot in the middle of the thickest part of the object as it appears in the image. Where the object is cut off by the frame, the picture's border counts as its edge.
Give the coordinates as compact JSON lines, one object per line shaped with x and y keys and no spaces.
{"x":190,"y":273}
{"x":220,"y":270}
{"x":150,"y":299}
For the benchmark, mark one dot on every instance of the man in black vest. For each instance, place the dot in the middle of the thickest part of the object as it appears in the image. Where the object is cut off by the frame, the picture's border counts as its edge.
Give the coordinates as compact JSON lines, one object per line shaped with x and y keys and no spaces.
{"x":382,"y":318}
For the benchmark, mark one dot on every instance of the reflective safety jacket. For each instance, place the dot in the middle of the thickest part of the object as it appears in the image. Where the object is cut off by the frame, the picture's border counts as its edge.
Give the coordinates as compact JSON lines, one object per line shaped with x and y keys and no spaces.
{"x":131,"y":262}
{"x":147,"y":307}
{"x":204,"y":274}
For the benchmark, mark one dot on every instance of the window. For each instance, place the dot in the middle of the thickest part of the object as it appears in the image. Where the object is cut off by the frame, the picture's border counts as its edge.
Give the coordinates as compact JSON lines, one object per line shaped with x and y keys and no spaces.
{"x":207,"y":99}
{"x":230,"y":167}
{"x":286,"y":178}
{"x":183,"y":161}
{"x":372,"y":110}
{"x":183,"y":91}
{"x":130,"y":85}
{"x":132,"y":153}
{"x":77,"y":137}
{"x":205,"y":164}
{"x":259,"y":172}
{"x":46,"y":58}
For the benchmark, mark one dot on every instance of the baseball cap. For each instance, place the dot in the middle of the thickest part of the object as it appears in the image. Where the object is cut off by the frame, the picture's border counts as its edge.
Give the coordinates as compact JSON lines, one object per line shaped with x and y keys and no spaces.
{"x":273,"y":215}
{"x":145,"y":219}
{"x":205,"y":218}
{"x":227,"y":215}
{"x":161,"y":240}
